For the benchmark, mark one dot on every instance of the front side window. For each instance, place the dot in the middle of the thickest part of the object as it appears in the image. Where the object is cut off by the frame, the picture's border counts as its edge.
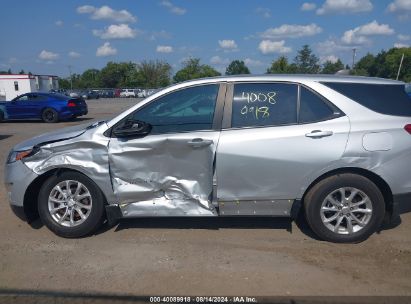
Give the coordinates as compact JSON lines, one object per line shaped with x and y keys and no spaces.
{"x":264,"y":104}
{"x":184,"y":110}
{"x":22,"y":98}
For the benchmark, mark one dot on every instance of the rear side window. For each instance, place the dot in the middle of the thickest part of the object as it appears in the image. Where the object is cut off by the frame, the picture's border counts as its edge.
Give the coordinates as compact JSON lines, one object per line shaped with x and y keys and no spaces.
{"x":384,"y":99}
{"x":313,"y":108}
{"x":264,"y":104}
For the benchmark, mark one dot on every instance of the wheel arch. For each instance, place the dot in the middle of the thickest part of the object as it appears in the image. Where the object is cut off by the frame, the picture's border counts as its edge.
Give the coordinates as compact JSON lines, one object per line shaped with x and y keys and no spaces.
{"x":33,"y":190}
{"x":375,"y":178}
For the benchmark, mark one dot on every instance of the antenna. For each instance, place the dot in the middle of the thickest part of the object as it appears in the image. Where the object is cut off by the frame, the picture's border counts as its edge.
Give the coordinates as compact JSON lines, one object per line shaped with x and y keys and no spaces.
{"x":399,"y":68}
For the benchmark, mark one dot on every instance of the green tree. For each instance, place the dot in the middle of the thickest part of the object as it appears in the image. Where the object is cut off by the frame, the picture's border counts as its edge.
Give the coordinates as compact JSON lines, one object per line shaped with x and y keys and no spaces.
{"x":385,"y":64}
{"x":192,"y":69}
{"x":330,"y":67}
{"x":90,"y":79}
{"x":115,"y":75}
{"x":64,"y":83}
{"x":365,"y":66}
{"x":153,"y":74}
{"x":281,"y":66}
{"x":22,"y":72}
{"x":306,"y":61}
{"x":237,"y":67}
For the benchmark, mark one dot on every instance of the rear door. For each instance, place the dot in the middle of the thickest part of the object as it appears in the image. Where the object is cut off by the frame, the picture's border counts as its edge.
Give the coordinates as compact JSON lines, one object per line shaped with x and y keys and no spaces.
{"x":170,"y":171}
{"x":275,"y":138}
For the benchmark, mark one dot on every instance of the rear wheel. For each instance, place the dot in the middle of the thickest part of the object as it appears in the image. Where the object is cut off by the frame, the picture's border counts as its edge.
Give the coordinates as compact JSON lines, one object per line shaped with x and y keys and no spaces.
{"x":71,"y":205}
{"x":344,"y":208}
{"x":50,"y":115}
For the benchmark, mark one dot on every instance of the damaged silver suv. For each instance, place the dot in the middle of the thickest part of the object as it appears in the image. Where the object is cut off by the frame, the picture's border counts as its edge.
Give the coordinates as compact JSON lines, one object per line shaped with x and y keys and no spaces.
{"x":336,"y":148}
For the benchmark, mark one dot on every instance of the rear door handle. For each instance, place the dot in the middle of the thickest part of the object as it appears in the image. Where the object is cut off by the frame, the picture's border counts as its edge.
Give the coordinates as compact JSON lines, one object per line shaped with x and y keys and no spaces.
{"x":319,"y":134}
{"x":199,"y":142}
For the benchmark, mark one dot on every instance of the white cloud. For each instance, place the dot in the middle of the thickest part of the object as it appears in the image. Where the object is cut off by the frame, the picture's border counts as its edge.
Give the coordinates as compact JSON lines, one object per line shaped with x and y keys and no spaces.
{"x":252,"y":63}
{"x":164,"y":49}
{"x":47,"y":55}
{"x":345,"y":7}
{"x":291,"y":31}
{"x":269,"y":47}
{"x":264,"y":12}
{"x":172,"y":8}
{"x":307,"y":6}
{"x":399,"y":6}
{"x":331,"y":58}
{"x":106,"y":13}
{"x":106,"y":50}
{"x":218,"y":60}
{"x":404,"y":37}
{"x":74,"y":54}
{"x":86,"y":9}
{"x":121,"y":31}
{"x":330,"y":47}
{"x":399,"y":45}
{"x":360,"y":34}
{"x":228,"y":45}
{"x":59,"y":23}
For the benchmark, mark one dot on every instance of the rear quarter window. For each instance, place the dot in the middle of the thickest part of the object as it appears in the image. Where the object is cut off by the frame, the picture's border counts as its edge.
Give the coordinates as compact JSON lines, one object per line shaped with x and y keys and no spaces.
{"x":389,"y":99}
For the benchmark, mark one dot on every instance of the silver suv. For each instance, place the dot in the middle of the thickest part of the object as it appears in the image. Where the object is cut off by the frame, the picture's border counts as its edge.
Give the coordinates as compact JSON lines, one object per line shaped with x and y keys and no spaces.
{"x":338,"y":147}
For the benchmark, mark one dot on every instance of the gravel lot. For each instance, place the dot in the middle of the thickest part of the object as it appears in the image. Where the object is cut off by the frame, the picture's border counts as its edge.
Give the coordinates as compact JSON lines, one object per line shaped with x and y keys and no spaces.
{"x":193,"y":256}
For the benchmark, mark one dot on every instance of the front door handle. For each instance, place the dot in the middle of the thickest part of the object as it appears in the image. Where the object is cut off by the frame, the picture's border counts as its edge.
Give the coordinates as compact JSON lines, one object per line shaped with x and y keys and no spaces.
{"x":199,"y":142}
{"x":319,"y":134}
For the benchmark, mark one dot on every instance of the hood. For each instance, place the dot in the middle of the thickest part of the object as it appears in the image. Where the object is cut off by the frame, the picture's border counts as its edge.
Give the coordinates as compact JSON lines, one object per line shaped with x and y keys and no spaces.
{"x":59,"y":135}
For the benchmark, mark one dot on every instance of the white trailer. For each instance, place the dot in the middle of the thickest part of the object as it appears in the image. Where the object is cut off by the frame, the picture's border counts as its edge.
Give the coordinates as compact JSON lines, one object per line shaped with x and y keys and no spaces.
{"x":12,"y":86}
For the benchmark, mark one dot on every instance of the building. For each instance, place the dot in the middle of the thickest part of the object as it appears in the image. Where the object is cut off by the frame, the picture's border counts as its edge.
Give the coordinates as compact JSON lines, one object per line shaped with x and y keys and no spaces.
{"x":12,"y":85}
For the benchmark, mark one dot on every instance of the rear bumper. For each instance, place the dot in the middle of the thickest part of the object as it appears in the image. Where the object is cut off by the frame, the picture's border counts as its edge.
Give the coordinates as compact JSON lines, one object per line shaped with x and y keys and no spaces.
{"x":73,"y":113}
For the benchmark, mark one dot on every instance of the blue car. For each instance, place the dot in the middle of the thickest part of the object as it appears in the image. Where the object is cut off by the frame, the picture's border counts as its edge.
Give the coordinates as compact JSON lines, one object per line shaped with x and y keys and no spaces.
{"x":49,"y":107}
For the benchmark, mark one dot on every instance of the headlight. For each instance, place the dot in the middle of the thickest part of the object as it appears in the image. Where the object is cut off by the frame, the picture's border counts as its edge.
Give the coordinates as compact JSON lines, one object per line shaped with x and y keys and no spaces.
{"x":19,"y":155}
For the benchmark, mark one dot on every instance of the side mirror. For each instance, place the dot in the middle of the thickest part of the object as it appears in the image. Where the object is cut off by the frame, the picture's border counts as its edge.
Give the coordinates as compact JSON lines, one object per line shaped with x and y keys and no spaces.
{"x":132,"y":128}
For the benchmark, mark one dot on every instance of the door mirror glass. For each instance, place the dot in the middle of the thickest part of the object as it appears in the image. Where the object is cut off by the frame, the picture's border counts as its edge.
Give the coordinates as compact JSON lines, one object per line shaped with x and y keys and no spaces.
{"x":132,"y":128}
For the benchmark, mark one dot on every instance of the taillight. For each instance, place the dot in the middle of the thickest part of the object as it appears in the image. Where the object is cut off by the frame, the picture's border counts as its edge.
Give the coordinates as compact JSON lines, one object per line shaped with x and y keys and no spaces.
{"x":408,"y":128}
{"x":71,"y":104}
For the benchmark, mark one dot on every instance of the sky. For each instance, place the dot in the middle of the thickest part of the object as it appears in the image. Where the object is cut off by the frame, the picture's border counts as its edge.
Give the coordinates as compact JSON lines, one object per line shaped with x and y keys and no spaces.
{"x":56,"y":37}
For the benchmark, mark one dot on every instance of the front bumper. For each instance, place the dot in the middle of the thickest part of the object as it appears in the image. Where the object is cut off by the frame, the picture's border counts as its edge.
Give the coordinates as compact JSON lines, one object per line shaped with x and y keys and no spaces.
{"x":17,"y":178}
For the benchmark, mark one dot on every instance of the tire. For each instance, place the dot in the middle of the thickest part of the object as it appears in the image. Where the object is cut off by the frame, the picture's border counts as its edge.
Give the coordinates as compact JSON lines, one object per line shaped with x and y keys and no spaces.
{"x":66,"y":220}
{"x":344,"y":221}
{"x":50,"y":115}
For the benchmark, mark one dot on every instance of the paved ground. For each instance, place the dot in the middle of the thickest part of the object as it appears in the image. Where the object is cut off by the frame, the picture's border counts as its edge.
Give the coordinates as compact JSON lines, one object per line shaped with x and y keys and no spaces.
{"x":186,"y":256}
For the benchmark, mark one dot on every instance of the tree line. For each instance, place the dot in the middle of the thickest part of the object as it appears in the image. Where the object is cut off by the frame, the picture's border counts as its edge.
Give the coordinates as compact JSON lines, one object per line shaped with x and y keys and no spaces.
{"x":156,"y":73}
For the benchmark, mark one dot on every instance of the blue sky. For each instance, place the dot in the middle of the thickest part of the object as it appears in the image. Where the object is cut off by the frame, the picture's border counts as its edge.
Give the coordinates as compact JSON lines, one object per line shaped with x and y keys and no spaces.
{"x":45,"y":37}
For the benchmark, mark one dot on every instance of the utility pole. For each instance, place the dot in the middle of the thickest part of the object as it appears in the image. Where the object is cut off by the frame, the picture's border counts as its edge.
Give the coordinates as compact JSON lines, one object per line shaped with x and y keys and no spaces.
{"x":354,"y":52}
{"x":71,"y":78}
{"x":399,"y":68}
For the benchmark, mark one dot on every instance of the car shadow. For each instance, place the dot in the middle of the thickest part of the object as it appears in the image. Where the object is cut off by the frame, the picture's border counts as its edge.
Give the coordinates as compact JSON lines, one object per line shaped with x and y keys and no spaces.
{"x":210,"y":223}
{"x":4,"y":136}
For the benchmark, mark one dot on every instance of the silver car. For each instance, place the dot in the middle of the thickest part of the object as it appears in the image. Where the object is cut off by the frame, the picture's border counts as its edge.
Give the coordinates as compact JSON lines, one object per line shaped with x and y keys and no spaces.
{"x":336,"y":148}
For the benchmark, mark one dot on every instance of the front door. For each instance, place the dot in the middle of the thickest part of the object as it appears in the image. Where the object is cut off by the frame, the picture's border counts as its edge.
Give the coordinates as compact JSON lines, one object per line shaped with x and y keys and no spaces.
{"x":170,"y":171}
{"x":274,"y":144}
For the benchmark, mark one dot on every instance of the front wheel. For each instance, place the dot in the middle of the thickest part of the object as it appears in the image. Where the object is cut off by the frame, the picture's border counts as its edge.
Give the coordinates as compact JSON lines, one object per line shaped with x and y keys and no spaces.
{"x":345,"y":208}
{"x":71,"y":205}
